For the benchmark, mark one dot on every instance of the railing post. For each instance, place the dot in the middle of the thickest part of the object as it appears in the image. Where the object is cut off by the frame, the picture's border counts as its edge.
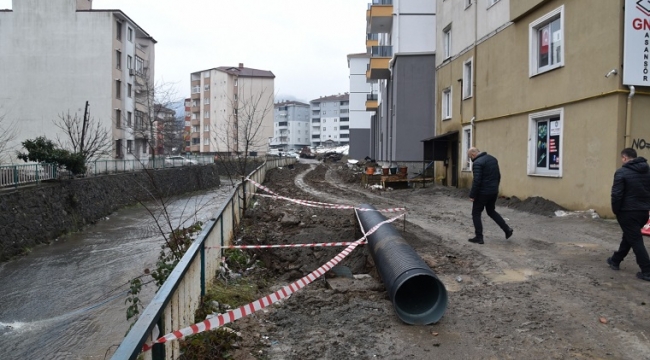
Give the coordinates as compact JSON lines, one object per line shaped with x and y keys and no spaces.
{"x":38,"y":180}
{"x":16,"y":176}
{"x":158,"y":350}
{"x":202,"y":270}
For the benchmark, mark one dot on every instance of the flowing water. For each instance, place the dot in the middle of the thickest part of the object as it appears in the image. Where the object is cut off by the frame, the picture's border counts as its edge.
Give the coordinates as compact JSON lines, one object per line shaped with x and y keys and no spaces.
{"x":66,"y":300}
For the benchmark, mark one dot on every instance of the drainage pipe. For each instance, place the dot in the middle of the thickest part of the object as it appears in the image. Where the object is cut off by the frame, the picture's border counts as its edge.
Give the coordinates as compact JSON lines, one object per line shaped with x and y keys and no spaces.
{"x":418,"y":296}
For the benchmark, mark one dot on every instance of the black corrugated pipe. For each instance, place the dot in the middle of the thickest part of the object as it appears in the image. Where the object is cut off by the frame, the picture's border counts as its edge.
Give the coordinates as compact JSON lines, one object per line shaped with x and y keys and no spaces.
{"x":418,"y":296}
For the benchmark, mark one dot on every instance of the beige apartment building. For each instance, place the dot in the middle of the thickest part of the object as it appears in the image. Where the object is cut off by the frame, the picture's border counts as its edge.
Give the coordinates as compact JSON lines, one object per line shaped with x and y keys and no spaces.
{"x":540,"y":84}
{"x":231,"y":110}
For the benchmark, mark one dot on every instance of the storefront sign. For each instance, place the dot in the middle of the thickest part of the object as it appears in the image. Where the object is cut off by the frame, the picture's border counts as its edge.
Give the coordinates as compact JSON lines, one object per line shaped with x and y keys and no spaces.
{"x":636,"y":46}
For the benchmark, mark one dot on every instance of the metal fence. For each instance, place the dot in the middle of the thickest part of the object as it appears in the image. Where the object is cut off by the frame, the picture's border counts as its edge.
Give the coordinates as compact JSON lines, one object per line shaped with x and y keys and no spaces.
{"x":15,"y":175}
{"x":34,"y":173}
{"x":174,"y":304}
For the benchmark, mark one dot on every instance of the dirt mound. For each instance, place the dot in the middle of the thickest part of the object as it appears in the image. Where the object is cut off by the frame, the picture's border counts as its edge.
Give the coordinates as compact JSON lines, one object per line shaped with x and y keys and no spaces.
{"x":534,"y":205}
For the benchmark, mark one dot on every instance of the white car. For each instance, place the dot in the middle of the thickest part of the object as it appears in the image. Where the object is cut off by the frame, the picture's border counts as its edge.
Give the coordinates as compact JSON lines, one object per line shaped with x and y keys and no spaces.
{"x":179,"y":161}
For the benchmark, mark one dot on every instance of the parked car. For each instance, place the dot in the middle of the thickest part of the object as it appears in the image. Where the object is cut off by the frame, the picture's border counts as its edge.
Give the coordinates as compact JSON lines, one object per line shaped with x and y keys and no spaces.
{"x":179,"y":161}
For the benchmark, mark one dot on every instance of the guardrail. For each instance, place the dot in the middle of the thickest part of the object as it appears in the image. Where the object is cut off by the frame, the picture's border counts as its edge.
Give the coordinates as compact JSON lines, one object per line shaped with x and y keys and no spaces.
{"x":14,"y":175}
{"x":174,"y":304}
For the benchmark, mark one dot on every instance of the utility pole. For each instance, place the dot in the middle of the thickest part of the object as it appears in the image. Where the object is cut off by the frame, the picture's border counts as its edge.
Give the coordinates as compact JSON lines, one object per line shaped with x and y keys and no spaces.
{"x":83,"y":129}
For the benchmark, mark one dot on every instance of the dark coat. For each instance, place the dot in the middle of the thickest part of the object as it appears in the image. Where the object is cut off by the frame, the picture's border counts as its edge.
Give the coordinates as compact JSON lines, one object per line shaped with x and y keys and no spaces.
{"x":631,"y":189}
{"x":486,"y":175}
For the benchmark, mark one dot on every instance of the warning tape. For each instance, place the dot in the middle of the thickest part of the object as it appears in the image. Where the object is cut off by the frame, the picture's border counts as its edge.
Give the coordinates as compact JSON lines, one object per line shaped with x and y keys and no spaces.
{"x":232,"y":315}
{"x":285,"y":245}
{"x":316,"y":203}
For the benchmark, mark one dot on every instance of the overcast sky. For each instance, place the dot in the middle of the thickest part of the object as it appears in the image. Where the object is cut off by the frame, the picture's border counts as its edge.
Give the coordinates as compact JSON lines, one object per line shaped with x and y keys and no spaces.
{"x":303,"y":42}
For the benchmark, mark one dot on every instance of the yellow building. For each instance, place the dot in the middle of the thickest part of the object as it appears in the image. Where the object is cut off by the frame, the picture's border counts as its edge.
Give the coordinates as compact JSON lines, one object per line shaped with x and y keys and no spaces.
{"x":539,"y":85}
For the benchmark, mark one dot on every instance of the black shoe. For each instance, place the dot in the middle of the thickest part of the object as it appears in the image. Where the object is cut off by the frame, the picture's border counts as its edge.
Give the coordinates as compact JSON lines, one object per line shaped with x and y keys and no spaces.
{"x":612,"y":265}
{"x":509,"y":233}
{"x":643,"y":276}
{"x":476,"y":240}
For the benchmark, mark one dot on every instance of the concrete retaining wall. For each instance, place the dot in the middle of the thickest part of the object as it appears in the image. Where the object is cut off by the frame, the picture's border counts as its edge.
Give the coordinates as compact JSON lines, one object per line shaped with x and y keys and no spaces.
{"x":39,"y":214}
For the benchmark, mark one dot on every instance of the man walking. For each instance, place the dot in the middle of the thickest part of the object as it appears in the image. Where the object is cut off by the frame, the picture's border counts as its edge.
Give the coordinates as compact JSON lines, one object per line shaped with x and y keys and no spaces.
{"x":630,"y":204}
{"x":484,"y":192}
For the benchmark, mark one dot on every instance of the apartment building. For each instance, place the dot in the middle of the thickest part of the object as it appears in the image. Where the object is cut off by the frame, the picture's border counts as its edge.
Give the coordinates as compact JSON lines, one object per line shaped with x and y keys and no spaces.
{"x":292,"y":126}
{"x":363,"y":102}
{"x":401,"y":43}
{"x":76,"y":54}
{"x":330,"y":120}
{"x":544,"y":90}
{"x":232,"y":110}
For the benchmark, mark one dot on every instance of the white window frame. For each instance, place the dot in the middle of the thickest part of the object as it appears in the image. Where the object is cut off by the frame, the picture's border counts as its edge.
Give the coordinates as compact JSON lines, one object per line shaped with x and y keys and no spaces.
{"x":533,"y":119}
{"x":447,"y":103}
{"x":468,"y":78}
{"x":491,"y":3}
{"x":533,"y":41}
{"x":129,"y":33}
{"x":446,"y":42}
{"x":468,"y":136}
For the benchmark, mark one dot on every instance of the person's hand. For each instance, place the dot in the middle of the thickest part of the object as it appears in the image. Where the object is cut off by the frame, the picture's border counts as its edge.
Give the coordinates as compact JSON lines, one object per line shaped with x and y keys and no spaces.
{"x":471,"y":199}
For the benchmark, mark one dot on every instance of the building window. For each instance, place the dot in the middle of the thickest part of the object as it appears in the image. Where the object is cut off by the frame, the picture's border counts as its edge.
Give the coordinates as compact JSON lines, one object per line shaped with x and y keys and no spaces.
{"x":118,"y":31}
{"x":128,"y":118}
{"x":206,"y":141}
{"x":118,"y":89}
{"x":206,"y":101}
{"x":466,"y":143}
{"x":118,"y":59}
{"x":545,"y":143}
{"x":206,"y":115}
{"x":118,"y":118}
{"x":118,"y":149}
{"x":324,"y":128}
{"x":195,"y":128}
{"x":139,"y":65}
{"x":446,"y":103}
{"x":446,"y":41}
{"x":195,"y":90}
{"x":144,"y":146}
{"x":545,"y":45}
{"x":129,"y":62}
{"x":335,"y":128}
{"x":467,"y":79}
{"x":129,"y":146}
{"x":130,"y":34}
{"x":139,"y":119}
{"x":491,"y":2}
{"x":206,"y":87}
{"x":468,"y":3}
{"x":129,"y":89}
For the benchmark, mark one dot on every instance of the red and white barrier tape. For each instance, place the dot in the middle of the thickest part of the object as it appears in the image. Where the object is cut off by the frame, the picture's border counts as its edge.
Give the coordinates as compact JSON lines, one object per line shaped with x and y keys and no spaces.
{"x":285,"y":245}
{"x":316,"y":203}
{"x":232,"y":315}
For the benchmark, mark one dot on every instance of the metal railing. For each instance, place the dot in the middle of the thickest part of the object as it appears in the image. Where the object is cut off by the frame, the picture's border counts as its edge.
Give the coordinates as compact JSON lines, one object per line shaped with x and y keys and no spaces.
{"x":173,"y":306}
{"x":14,"y":175}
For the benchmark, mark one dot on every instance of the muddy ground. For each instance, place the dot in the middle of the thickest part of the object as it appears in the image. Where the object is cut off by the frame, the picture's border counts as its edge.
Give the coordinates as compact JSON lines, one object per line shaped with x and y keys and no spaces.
{"x":546,"y":293}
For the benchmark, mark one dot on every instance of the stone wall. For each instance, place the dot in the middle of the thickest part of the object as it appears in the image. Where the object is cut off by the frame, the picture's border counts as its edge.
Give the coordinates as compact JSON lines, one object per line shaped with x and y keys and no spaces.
{"x":40,"y":213}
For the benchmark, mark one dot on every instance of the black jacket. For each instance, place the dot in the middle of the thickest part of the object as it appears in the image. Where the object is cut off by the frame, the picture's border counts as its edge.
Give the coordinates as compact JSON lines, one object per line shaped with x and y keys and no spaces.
{"x":486,"y":175}
{"x":631,"y":189}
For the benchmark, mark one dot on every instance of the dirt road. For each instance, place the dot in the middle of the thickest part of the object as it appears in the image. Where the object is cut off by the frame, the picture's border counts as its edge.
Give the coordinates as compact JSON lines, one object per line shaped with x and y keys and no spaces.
{"x":546,"y":293}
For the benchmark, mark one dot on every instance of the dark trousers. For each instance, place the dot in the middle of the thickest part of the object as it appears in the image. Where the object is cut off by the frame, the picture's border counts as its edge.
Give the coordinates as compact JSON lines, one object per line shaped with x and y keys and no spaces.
{"x":631,"y":223}
{"x":486,"y":202}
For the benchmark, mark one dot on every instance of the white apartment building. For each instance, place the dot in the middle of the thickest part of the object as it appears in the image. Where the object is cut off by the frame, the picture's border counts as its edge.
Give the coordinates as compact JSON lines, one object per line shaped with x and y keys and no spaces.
{"x":292,"y":126}
{"x":76,"y":54}
{"x":330,"y":120}
{"x":363,"y":102}
{"x":231,"y":110}
{"x":401,"y":42}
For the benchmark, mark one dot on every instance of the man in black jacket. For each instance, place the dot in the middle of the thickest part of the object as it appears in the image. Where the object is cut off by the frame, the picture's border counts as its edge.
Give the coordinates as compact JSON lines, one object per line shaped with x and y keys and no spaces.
{"x":630,"y":204}
{"x":484,"y":193}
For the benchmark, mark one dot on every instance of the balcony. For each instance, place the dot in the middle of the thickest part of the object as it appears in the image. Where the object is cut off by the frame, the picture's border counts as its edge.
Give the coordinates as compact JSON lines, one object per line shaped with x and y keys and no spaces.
{"x":379,"y":62}
{"x":381,"y":16}
{"x":371,"y":40}
{"x":371,"y":102}
{"x":282,"y":125}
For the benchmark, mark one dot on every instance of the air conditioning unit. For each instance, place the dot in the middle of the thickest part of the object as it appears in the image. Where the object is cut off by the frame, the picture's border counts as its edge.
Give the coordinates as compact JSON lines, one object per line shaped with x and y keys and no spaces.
{"x":132,"y":72}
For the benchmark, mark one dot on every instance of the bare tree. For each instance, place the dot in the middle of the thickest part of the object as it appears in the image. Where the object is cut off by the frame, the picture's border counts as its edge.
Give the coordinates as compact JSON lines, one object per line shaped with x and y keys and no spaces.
{"x":8,"y":133}
{"x":84,"y":136}
{"x":241,"y":132}
{"x":153,"y":122}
